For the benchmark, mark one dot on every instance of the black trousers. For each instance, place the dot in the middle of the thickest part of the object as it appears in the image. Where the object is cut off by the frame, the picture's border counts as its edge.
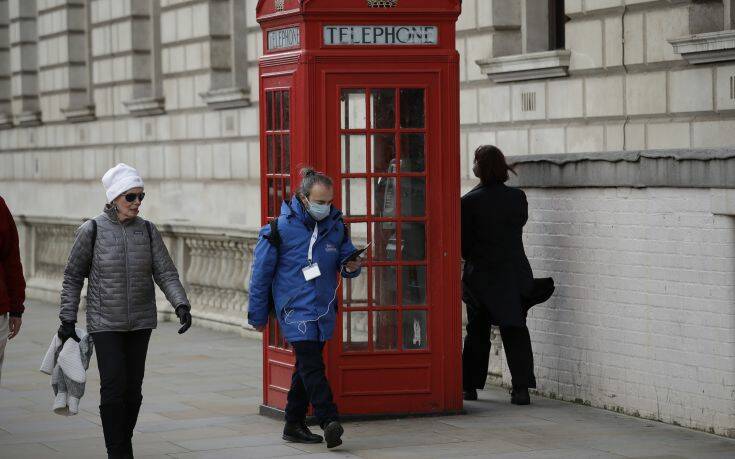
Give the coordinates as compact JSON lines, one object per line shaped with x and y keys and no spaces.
{"x":476,"y":352}
{"x":309,"y":385}
{"x":121,"y":362}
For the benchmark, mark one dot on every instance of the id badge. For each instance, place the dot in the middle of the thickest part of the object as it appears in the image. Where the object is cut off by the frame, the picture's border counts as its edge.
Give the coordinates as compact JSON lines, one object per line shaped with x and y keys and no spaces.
{"x":311,"y":272}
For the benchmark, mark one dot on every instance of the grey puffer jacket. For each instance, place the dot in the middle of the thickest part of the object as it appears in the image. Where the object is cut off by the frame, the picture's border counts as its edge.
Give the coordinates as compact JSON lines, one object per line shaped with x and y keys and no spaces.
{"x":120,"y":292}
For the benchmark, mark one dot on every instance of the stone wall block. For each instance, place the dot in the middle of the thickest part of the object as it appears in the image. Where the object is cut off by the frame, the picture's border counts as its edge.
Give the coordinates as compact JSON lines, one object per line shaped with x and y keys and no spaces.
{"x":468,"y":106}
{"x":634,"y":44}
{"x":584,"y":40}
{"x":613,"y":41}
{"x":566,"y":98}
{"x":667,"y":135}
{"x":635,"y":136}
{"x":494,"y":104}
{"x":239,"y":160}
{"x":713,"y":134}
{"x":215,"y":13}
{"x":184,"y":23}
{"x":513,"y":141}
{"x":221,"y":158}
{"x":614,"y":137}
{"x":691,"y":90}
{"x":581,"y":139}
{"x":646,"y":93}
{"x":547,"y":140}
{"x":604,"y":96}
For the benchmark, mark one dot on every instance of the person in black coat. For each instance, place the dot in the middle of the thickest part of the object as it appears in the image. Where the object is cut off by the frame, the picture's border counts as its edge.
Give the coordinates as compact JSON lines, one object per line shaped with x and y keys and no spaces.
{"x":497,"y":276}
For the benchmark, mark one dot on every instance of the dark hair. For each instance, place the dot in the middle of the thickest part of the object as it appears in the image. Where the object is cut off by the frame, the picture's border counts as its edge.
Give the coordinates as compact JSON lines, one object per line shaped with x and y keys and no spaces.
{"x":491,"y":166}
{"x":309,"y":178}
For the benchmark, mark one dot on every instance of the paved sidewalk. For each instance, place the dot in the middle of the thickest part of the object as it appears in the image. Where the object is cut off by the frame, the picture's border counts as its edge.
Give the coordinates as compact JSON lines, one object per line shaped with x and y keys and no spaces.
{"x":202,"y":392}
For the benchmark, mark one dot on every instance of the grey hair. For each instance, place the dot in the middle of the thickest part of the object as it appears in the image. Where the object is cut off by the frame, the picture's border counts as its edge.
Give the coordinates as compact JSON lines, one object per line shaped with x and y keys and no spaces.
{"x":309,"y":178}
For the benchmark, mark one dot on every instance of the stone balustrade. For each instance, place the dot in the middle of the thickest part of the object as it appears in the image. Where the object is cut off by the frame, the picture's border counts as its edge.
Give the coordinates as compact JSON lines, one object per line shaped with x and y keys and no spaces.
{"x":214,"y":266}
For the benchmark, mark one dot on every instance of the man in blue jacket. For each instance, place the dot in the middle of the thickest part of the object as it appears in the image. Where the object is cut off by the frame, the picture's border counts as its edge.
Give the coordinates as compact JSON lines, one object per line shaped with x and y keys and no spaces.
{"x":299,"y":267}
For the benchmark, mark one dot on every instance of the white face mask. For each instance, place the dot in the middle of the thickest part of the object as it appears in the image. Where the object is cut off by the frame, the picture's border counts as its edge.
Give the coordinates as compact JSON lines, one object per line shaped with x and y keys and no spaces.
{"x":318,"y":211}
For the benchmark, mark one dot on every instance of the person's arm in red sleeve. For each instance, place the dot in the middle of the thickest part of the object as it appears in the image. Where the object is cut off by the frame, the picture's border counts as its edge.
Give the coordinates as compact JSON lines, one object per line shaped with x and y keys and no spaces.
{"x":14,"y":280}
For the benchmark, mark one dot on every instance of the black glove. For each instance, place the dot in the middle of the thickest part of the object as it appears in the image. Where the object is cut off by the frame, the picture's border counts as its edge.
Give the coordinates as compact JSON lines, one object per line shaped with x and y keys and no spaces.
{"x":182,"y":312}
{"x":66,"y":331}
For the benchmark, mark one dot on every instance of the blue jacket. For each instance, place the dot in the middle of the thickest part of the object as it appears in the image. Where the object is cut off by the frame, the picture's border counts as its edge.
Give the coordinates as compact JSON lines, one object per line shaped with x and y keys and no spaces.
{"x":301,"y":306}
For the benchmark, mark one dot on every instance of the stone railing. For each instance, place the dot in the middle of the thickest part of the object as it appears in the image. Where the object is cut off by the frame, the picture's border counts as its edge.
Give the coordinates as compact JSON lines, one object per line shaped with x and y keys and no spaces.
{"x":214,"y":266}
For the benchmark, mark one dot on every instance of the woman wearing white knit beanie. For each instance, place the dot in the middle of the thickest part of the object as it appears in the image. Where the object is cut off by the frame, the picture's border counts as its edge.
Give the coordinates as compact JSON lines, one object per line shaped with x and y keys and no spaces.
{"x":122,"y":255}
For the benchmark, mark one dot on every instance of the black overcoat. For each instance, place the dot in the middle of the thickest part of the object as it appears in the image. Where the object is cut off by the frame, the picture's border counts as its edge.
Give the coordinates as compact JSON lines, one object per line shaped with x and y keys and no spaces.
{"x":497,"y":274}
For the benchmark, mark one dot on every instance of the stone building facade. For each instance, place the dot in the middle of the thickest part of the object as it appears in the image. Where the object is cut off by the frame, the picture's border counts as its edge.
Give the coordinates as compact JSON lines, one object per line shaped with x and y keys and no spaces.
{"x":619,"y":113}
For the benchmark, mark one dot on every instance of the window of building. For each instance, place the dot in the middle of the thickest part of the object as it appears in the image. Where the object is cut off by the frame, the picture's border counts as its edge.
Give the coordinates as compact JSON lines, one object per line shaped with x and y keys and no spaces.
{"x":541,"y":53}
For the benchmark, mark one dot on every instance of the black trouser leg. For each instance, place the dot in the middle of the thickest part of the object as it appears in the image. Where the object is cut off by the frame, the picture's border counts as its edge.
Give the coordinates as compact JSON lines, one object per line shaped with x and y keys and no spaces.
{"x":518,"y":353}
{"x":310,"y":366}
{"x":121,"y":363}
{"x":137,"y":349}
{"x":298,"y":400}
{"x":111,"y":355}
{"x":476,"y":352}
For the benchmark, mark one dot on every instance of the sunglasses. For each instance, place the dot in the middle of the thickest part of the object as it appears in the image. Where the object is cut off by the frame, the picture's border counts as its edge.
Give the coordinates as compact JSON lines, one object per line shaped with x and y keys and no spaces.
{"x":130,"y":197}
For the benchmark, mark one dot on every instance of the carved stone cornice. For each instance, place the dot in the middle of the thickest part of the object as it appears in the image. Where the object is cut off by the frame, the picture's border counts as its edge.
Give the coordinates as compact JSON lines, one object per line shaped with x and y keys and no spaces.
{"x":146,"y":106}
{"x":532,"y":66}
{"x":706,"y":47}
{"x":220,"y":99}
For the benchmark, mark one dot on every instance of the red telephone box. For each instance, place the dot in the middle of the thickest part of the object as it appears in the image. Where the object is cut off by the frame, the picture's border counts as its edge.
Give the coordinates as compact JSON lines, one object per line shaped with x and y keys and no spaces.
{"x":368,"y":91}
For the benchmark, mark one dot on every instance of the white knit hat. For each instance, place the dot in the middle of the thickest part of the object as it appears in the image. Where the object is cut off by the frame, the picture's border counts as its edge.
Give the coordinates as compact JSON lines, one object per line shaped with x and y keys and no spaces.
{"x":120,"y":179}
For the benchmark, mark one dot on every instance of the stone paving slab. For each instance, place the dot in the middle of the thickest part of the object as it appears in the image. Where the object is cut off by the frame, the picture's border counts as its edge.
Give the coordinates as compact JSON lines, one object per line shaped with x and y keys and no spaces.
{"x":201,"y":396}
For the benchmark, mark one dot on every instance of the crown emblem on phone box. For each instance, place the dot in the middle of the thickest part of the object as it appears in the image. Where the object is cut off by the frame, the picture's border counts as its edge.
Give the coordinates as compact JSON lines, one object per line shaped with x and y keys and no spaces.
{"x":382,"y":3}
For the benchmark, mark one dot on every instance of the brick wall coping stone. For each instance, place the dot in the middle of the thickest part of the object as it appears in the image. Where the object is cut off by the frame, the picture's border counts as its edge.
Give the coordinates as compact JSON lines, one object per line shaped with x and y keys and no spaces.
{"x":685,"y":168}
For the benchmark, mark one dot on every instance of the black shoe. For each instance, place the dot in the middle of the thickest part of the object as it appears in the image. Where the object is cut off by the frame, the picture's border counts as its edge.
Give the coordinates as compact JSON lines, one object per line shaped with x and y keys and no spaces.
{"x":520,"y":396}
{"x":298,"y":432}
{"x":333,"y":434}
{"x":470,"y":394}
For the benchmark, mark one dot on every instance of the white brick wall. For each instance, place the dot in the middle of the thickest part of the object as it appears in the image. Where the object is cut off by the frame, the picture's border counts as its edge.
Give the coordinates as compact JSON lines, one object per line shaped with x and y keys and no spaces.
{"x":643,"y":318}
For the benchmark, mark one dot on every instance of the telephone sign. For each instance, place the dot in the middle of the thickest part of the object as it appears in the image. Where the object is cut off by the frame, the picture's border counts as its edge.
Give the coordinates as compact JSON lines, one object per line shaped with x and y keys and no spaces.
{"x":284,"y":38}
{"x":391,"y":35}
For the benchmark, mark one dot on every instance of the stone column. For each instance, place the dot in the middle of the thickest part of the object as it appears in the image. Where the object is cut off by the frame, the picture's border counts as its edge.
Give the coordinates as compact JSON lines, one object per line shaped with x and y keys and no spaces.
{"x":146,"y":61}
{"x":23,"y":62}
{"x":63,"y":61}
{"x":507,"y":26}
{"x":81,"y":101}
{"x":229,"y":60}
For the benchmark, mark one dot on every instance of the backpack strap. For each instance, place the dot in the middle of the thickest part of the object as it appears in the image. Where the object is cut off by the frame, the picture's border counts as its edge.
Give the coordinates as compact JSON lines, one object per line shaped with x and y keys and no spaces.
{"x":275,"y":236}
{"x":345,"y":230}
{"x":94,"y":242}
{"x":94,"y":234}
{"x":150,"y":237}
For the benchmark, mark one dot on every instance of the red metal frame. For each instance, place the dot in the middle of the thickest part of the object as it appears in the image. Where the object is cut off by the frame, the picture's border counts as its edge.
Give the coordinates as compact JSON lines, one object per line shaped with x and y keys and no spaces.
{"x":366,"y":380}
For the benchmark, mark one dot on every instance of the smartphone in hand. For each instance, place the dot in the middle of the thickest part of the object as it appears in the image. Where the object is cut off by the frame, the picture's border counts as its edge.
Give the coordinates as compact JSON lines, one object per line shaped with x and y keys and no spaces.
{"x":356,"y":254}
